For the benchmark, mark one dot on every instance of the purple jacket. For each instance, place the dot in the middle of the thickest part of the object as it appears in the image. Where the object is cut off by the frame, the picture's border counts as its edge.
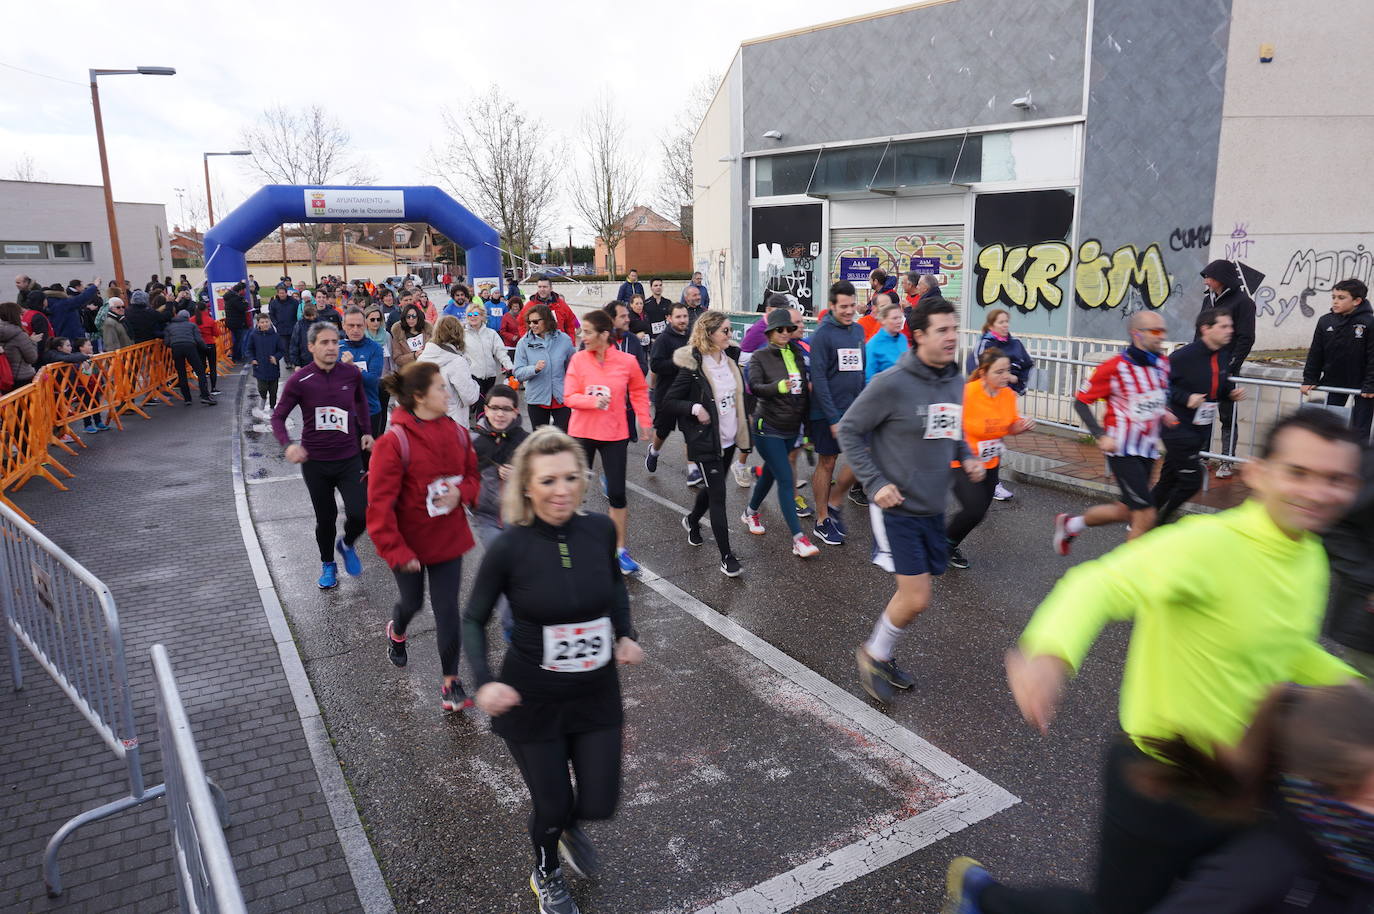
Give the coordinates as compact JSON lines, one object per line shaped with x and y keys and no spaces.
{"x":333,"y":410}
{"x":755,"y":338}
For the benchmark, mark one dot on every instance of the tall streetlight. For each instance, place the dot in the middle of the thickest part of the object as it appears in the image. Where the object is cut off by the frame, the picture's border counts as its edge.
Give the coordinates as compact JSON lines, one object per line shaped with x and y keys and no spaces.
{"x":105,"y":162}
{"x":205,"y":157}
{"x":570,"y":252}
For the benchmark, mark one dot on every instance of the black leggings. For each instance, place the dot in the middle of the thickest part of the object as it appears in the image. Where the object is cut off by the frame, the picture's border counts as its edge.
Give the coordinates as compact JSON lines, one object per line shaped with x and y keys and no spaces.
{"x":974,"y":499}
{"x":445,"y":579}
{"x":1179,"y":479}
{"x":267,"y":392}
{"x":542,"y":416}
{"x":181,"y":357}
{"x":613,"y":458}
{"x":595,"y":757}
{"x":322,"y":477}
{"x":712,"y":495}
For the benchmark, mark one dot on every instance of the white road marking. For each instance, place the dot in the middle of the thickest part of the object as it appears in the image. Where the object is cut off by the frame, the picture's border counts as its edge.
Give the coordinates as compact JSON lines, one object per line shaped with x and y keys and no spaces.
{"x":258,"y":482}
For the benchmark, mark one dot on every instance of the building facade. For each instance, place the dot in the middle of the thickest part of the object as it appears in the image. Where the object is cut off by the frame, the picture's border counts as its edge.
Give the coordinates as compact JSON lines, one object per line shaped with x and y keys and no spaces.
{"x":652,"y":244}
{"x":1066,"y":160}
{"x":58,"y":232}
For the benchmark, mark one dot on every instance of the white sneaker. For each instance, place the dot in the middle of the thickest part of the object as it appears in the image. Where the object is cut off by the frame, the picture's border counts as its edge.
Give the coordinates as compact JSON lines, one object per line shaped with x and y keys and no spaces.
{"x":803,"y":547}
{"x":744,"y":477}
{"x":753,"y":521}
{"x":1225,"y":471}
{"x":1001,"y":493}
{"x":260,"y":413}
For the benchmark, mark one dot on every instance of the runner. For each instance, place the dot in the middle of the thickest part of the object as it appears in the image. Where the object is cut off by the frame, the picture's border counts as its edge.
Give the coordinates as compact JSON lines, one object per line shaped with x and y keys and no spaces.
{"x":707,"y":395}
{"x":837,"y":377}
{"x":1199,"y":378}
{"x":777,"y":375}
{"x":1135,"y":384}
{"x":663,"y":369}
{"x":423,"y":473}
{"x":485,"y":351}
{"x":902,"y":435}
{"x":447,"y":348}
{"x":622,"y":337}
{"x":886,"y":345}
{"x":997,"y":335}
{"x":335,"y":431}
{"x":1350,"y":547}
{"x":359,"y":349}
{"x":544,"y":295}
{"x":602,"y":386}
{"x":512,"y":323}
{"x":496,"y":435}
{"x":1226,"y":606}
{"x":541,"y":363}
{"x":989,"y":415}
{"x":557,"y":701}
{"x":657,"y":310}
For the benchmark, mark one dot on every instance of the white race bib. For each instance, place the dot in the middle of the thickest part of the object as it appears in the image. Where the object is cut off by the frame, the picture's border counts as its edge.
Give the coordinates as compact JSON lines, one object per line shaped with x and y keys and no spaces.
{"x":416,"y":342}
{"x":1145,"y":407}
{"x":331,"y":419}
{"x":989,"y":449}
{"x":726,"y":403}
{"x":439,"y":487}
{"x":1206,"y":414}
{"x":579,"y":647}
{"x":658,"y":327}
{"x":849,"y":359}
{"x":597,"y":390}
{"x":794,"y":383}
{"x":942,"y":421}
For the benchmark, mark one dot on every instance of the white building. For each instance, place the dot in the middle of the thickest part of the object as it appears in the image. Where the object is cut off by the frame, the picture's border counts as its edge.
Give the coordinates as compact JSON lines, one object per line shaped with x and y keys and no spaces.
{"x":58,"y":232}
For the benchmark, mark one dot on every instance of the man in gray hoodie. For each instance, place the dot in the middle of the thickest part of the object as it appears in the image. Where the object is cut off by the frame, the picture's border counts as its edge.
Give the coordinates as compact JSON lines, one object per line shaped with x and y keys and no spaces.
{"x":902,"y":436}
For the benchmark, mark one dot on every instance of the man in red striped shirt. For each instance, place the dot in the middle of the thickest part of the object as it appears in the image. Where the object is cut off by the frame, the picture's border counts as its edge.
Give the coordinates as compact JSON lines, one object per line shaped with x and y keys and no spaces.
{"x":1135,"y":384}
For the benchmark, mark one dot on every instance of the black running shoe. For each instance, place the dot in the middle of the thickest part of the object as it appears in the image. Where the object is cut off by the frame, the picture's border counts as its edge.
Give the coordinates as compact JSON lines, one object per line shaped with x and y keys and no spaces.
{"x":694,"y":537}
{"x":874,"y":676}
{"x":395,"y":649}
{"x":857,"y":496}
{"x":552,"y":892}
{"x":898,"y":676}
{"x":730,"y":567}
{"x":576,"y":850}
{"x":957,"y":559}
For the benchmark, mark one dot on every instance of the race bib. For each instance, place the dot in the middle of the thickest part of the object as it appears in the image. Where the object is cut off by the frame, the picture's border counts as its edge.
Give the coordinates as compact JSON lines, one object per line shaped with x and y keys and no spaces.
{"x":942,"y":421}
{"x":1146,"y":407}
{"x":794,"y":383}
{"x":438,"y":488}
{"x":658,"y":327}
{"x":331,"y":419}
{"x":496,"y":312}
{"x":416,"y":342}
{"x":989,"y":449}
{"x":849,"y":359}
{"x":579,"y":647}
{"x":1206,"y":414}
{"x":726,"y":402}
{"x":597,"y":390}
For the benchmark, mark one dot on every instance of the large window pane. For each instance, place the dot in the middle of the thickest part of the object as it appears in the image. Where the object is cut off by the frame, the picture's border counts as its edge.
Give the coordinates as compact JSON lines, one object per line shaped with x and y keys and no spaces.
{"x":846,"y":169}
{"x":784,"y":174}
{"x":71,"y":250}
{"x":925,"y":162}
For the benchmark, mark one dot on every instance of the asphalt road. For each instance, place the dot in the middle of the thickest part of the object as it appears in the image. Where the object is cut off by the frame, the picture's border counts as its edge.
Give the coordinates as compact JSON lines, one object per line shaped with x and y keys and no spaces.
{"x":735,"y":771}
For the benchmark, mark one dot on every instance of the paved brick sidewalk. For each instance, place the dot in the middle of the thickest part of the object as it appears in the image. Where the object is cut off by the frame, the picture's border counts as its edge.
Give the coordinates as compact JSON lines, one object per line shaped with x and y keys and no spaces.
{"x":151,"y":512}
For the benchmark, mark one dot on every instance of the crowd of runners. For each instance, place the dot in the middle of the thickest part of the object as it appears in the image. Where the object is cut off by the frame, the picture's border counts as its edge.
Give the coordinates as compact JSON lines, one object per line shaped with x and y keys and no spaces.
{"x":411,"y":413}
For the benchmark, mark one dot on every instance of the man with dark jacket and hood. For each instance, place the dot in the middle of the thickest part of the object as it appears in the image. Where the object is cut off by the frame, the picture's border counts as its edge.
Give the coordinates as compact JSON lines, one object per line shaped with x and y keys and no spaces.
{"x":1225,"y":290}
{"x":236,"y":317}
{"x":1342,"y":352}
{"x":282,"y":309}
{"x":188,"y":348}
{"x":142,"y":322}
{"x":65,"y":310}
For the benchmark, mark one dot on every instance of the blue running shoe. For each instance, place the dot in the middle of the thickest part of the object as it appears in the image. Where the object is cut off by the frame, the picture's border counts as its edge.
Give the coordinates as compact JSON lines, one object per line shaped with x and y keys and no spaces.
{"x":965,"y":881}
{"x":352,"y":564}
{"x":828,"y":533}
{"x":329,"y":575}
{"x":627,"y":564}
{"x":836,"y":517}
{"x":694,"y":477}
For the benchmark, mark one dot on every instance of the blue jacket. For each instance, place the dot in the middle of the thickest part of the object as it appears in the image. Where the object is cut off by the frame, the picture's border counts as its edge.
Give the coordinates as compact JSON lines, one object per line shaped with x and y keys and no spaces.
{"x":262,"y":347}
{"x":882,"y":352}
{"x":496,"y":309}
{"x":556,"y":349}
{"x":299,"y":346}
{"x":283,"y":316}
{"x":832,"y":390}
{"x":368,"y":356}
{"x":64,"y":314}
{"x":629,"y":290}
{"x":705,"y":295}
{"x":1021,"y":363}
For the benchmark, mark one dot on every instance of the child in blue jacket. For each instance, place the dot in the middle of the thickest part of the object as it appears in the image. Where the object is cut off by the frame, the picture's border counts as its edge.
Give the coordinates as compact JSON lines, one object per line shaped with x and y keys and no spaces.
{"x":266,"y":351}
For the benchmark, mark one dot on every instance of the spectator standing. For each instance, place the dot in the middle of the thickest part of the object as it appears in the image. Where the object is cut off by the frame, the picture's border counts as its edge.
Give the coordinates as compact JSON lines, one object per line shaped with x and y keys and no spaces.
{"x":1342,"y":353}
{"x":20,"y":350}
{"x":65,"y":310}
{"x":236,"y":317}
{"x":1350,"y":547}
{"x":702,"y":291}
{"x":267,"y":352}
{"x":112,"y":330}
{"x":142,"y":322}
{"x":630,"y":287}
{"x":1225,"y":290}
{"x":188,"y":348}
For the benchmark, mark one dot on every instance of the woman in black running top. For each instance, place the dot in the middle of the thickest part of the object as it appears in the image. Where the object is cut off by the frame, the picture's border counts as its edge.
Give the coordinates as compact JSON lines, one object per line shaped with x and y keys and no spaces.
{"x":557,"y":697}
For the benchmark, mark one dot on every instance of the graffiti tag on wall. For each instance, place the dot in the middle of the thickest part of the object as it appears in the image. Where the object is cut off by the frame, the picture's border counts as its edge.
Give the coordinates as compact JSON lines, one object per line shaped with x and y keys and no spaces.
{"x":1309,"y":272}
{"x":1026,"y":277}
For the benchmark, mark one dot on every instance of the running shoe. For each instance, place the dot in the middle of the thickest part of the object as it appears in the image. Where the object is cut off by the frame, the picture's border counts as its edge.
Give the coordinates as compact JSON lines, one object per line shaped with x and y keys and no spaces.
{"x":395,"y":647}
{"x":352,"y":564}
{"x":1063,"y":539}
{"x":453,"y":698}
{"x":857,"y":496}
{"x":650,"y":461}
{"x":957,"y":559}
{"x":210,"y":402}
{"x":102,"y":427}
{"x":694,"y":477}
{"x":898,"y":676}
{"x":873,"y":676}
{"x":329,"y":575}
{"x":1225,"y":471}
{"x":627,"y":564}
{"x":577,"y":851}
{"x":694,"y":537}
{"x":965,"y":881}
{"x":801,"y":483}
{"x":552,"y":892}
{"x":189,"y":403}
{"x":744,"y":478}
{"x":753,"y":521}
{"x":730,"y":567}
{"x":803,"y":509}
{"x":803,"y":547}
{"x":1002,"y":493}
{"x":828,"y":533}
{"x":837,"y":516}
{"x":260,"y":413}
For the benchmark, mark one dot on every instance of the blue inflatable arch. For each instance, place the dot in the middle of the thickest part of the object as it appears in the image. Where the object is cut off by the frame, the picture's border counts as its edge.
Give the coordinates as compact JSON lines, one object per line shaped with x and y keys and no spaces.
{"x":227,"y":243}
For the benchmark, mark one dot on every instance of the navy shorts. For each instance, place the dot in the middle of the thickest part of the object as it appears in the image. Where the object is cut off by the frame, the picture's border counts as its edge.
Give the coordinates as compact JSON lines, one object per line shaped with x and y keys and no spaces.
{"x":818,"y":430}
{"x":905,"y":544}
{"x":1133,"y":476}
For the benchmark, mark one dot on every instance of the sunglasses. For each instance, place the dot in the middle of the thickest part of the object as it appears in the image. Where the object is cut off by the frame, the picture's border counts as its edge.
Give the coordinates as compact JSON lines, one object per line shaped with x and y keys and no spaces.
{"x":374,"y":320}
{"x":1154,"y":331}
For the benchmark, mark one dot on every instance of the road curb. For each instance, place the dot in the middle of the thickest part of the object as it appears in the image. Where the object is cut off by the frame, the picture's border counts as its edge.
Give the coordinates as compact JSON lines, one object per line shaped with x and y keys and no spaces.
{"x":368,"y":881}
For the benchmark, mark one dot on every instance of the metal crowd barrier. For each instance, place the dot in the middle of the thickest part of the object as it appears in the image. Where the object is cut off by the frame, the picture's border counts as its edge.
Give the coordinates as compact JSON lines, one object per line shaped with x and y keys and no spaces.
{"x":66,"y":618}
{"x":196,"y":808}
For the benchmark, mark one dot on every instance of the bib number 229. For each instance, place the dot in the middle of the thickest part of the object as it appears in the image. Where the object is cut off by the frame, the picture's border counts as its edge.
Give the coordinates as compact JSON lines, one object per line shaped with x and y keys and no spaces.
{"x":579,"y":647}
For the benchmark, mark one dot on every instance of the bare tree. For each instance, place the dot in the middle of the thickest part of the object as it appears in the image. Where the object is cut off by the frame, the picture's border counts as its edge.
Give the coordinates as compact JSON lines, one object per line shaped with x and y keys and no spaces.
{"x":605,"y":187}
{"x":305,"y":146}
{"x":26,"y":169}
{"x":677,"y":187}
{"x":493,"y":162}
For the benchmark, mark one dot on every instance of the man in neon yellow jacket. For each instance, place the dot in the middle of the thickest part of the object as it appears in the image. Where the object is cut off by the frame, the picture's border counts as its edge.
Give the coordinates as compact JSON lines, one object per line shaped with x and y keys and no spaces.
{"x":1225,"y":607}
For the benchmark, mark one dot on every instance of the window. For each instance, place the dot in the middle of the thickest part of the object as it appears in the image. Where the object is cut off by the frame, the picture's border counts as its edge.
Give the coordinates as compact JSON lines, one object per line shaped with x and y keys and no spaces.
{"x":24,"y":250}
{"x":71,"y":250}
{"x":847,"y":168}
{"x":643,"y":220}
{"x":27,"y":251}
{"x":784,"y":174}
{"x":884,"y":166}
{"x":925,"y":162}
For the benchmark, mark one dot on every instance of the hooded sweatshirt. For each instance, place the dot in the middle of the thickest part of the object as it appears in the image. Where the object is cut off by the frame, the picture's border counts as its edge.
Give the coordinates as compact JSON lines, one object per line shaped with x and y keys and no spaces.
{"x":837,"y":368}
{"x":889,"y":435}
{"x":457,"y":371}
{"x":1241,"y":306}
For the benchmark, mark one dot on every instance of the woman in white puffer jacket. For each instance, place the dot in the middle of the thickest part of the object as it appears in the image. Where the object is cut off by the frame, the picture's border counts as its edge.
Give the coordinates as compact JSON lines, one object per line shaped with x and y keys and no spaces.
{"x":485,"y":350}
{"x":447,"y":349}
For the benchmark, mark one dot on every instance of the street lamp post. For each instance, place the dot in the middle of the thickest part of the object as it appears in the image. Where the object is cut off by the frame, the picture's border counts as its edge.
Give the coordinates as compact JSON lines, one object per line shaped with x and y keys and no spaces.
{"x":570,"y":272}
{"x":115,"y":253}
{"x":205,"y":158}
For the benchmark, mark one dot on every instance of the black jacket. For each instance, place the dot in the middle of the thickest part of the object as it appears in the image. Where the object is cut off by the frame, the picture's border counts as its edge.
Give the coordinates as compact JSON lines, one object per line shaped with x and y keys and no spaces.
{"x":661,"y":361}
{"x":780,"y":412}
{"x":493,"y":449}
{"x":1350,"y":546}
{"x":142,"y":322}
{"x":629,"y":343}
{"x":235,"y":311}
{"x":691,"y":387}
{"x":1342,"y":353}
{"x":1241,"y":306}
{"x":1195,"y":369}
{"x":180,"y":333}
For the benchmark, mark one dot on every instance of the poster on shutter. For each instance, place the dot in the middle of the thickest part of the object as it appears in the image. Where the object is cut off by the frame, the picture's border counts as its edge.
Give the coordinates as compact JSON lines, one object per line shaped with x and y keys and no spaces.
{"x":857,"y":269}
{"x":939,"y":249}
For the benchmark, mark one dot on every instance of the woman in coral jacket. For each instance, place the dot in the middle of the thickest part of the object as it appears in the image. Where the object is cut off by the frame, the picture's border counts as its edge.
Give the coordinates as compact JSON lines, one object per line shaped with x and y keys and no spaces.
{"x":601,"y":386}
{"x":424,"y":469}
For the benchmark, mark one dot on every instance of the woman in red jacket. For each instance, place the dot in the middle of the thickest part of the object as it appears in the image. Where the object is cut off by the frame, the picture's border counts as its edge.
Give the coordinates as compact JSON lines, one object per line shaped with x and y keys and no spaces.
{"x":423,"y":471}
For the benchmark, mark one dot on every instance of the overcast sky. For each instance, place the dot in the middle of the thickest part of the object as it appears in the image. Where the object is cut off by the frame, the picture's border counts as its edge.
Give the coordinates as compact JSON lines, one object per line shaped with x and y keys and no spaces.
{"x":385,"y":70}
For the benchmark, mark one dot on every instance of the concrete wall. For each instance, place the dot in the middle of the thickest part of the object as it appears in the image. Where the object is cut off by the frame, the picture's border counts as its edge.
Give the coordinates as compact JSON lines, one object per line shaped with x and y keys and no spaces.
{"x":36,"y":211}
{"x":945,"y":65}
{"x":717,"y":204}
{"x":1294,"y":196}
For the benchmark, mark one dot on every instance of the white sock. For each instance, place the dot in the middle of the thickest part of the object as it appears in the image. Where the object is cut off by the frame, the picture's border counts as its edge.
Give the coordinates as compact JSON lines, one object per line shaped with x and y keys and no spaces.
{"x":884,"y":638}
{"x":653,"y":451}
{"x":1075,"y":525}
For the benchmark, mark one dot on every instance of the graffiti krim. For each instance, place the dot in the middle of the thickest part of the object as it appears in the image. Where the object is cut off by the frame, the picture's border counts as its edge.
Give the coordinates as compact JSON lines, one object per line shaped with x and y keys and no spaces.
{"x":896,"y":257}
{"x":1183,"y":239}
{"x":1027,"y":277}
{"x":1312,"y":272}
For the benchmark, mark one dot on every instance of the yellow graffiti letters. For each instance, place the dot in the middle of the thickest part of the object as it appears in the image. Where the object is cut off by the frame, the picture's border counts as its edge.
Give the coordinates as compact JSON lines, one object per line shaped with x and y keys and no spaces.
{"x":1023,"y":277}
{"x":1100,"y":280}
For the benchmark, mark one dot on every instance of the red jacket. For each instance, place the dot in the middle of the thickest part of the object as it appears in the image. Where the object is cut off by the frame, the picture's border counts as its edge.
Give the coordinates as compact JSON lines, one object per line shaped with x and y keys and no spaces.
{"x":512,"y":327}
{"x":397,"y":520}
{"x":567,"y":321}
{"x":208,"y":326}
